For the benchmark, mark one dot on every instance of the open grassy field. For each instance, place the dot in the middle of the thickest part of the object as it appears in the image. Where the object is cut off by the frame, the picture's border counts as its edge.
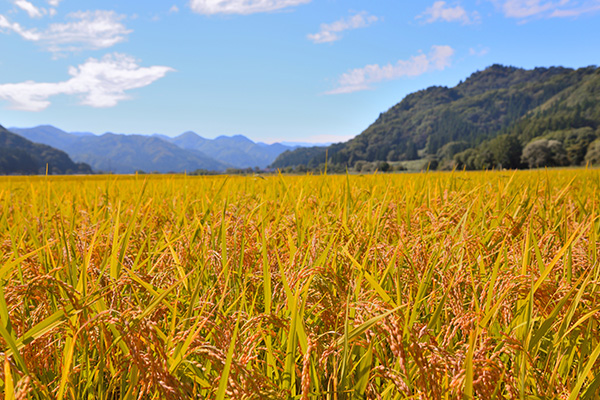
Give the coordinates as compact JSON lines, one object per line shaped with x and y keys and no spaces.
{"x":423,"y":286}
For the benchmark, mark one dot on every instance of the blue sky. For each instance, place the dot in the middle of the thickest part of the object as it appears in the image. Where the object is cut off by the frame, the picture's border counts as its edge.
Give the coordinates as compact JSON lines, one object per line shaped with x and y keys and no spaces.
{"x":273,"y":70}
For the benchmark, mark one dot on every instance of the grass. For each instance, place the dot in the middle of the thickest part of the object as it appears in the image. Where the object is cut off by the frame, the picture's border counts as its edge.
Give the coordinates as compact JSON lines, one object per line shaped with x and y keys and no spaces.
{"x":436,"y":285}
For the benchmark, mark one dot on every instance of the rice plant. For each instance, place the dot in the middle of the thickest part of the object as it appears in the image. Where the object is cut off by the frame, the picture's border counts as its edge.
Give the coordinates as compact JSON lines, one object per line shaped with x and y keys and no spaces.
{"x":414,"y":286}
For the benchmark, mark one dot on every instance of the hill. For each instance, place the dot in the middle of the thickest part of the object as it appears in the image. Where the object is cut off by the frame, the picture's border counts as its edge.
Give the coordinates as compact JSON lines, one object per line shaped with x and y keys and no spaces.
{"x":484,"y":122}
{"x":21,"y":156}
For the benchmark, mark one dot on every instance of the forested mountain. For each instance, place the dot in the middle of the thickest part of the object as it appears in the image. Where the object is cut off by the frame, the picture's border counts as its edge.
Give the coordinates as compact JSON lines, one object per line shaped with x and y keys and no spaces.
{"x":486,"y":121}
{"x":21,"y":156}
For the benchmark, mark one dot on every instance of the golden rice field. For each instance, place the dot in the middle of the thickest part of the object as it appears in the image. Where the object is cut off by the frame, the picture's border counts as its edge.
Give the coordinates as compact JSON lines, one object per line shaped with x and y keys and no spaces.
{"x":414,"y":286}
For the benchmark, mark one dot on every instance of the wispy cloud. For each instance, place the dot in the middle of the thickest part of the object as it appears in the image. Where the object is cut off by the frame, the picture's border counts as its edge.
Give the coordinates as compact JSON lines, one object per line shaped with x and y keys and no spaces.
{"x":479,"y":51}
{"x":89,"y":30}
{"x":359,"y":79}
{"x":525,"y":9}
{"x":29,"y":8}
{"x":209,"y":7}
{"x":54,"y":3}
{"x":99,"y":83}
{"x":575,"y":12}
{"x":27,"y":34}
{"x":440,"y":11}
{"x":174,"y":9}
{"x":332,"y":32}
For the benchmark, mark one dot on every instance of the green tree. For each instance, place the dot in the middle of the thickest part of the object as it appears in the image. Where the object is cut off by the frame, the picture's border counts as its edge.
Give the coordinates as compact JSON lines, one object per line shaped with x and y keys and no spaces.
{"x":544,"y":153}
{"x":411,"y":151}
{"x":592,"y":156}
{"x":506,"y":150}
{"x":383,"y":166}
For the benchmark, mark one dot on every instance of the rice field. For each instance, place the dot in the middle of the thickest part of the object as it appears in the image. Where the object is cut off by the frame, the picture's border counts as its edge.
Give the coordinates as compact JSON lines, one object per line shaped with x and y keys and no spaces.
{"x":455,"y":285}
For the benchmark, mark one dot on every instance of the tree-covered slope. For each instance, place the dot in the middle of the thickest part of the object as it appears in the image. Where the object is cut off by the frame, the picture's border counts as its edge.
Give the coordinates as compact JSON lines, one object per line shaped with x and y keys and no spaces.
{"x":21,"y":156}
{"x":439,"y":122}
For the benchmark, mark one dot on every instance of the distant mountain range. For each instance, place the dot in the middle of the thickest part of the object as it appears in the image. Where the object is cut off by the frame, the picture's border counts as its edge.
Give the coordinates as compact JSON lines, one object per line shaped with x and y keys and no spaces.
{"x":238,"y":150}
{"x":124,"y":154}
{"x":487,"y":121}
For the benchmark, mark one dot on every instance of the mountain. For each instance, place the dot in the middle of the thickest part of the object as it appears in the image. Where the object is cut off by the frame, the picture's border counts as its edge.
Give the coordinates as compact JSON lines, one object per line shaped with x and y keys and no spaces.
{"x":188,"y":151}
{"x":472,"y":125}
{"x":187,"y":140}
{"x":128,"y":153}
{"x":82,"y":133}
{"x":238,"y":150}
{"x":124,"y":154}
{"x":49,"y":135}
{"x":21,"y":156}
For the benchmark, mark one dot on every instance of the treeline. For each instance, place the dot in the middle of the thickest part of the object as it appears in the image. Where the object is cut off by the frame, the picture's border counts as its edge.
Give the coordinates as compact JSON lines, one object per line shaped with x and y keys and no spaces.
{"x":364,"y":167}
{"x":560,"y":148}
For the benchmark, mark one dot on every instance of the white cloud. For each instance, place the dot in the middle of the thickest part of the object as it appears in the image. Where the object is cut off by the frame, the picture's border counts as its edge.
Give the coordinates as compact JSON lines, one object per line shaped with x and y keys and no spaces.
{"x":209,"y":7}
{"x":89,"y":30}
{"x":524,"y":9}
{"x":29,"y":8}
{"x":363,"y":78}
{"x":174,"y":9}
{"x":54,"y":3}
{"x":27,"y":34}
{"x":439,"y":11}
{"x":98,"y":83}
{"x":331,"y":32}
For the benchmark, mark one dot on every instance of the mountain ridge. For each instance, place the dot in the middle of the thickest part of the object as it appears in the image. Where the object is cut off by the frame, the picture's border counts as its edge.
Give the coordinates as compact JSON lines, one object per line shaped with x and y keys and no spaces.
{"x":124,"y":154}
{"x":108,"y":153}
{"x":237,"y":150}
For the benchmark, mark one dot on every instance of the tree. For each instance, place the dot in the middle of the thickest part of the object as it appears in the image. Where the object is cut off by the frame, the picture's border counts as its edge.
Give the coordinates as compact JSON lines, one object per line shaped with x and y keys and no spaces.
{"x":359,"y":165}
{"x":449,"y":150}
{"x":592,"y":156}
{"x":544,"y":153}
{"x":383,"y":166}
{"x":411,"y":151}
{"x":507,"y":151}
{"x":575,"y":142}
{"x":467,"y":159}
